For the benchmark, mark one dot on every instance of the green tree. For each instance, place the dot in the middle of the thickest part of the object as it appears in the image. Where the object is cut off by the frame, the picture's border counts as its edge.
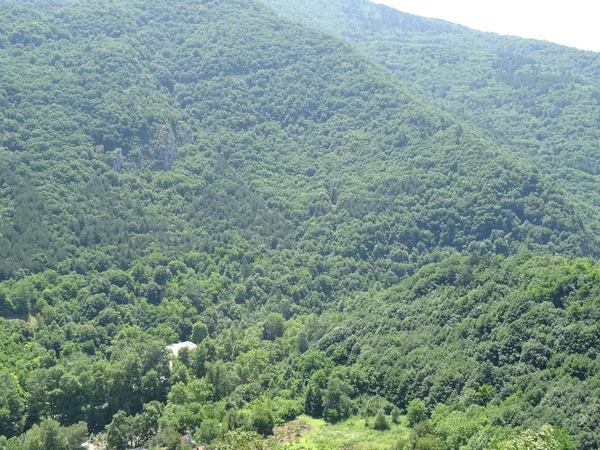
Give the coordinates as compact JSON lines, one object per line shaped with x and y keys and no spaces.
{"x":23,"y":296}
{"x":262,"y":419}
{"x":337,"y":404}
{"x":273,"y":326}
{"x":76,"y":435}
{"x":416,"y":412}
{"x":313,"y":401}
{"x":118,"y":432}
{"x":162,"y":275}
{"x":149,"y":420}
{"x":381,"y":423}
{"x":208,"y":431}
{"x":221,"y":378}
{"x":395,"y":416}
{"x":6,"y":305}
{"x":199,"y":332}
{"x":12,"y":405}
{"x":302,"y":343}
{"x":49,"y":435}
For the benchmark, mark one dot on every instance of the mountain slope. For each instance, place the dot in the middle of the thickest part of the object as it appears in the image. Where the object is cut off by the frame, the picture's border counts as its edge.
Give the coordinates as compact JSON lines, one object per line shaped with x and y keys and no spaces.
{"x":203,"y":170}
{"x":539,"y":98}
{"x":317,"y":133}
{"x":530,"y":93}
{"x":97,"y":155}
{"x":517,"y":335}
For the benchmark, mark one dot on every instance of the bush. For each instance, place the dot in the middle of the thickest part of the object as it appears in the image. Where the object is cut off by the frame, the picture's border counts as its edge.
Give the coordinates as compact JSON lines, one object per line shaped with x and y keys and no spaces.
{"x":416,"y":412}
{"x":402,"y":444}
{"x":381,"y":423}
{"x":395,"y":416}
{"x":262,"y":420}
{"x":287,"y":409}
{"x":531,"y":440}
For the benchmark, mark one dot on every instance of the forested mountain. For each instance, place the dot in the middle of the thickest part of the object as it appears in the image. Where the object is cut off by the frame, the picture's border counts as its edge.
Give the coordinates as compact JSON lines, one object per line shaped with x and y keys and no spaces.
{"x":334,"y":242}
{"x":297,"y":118}
{"x":539,"y":98}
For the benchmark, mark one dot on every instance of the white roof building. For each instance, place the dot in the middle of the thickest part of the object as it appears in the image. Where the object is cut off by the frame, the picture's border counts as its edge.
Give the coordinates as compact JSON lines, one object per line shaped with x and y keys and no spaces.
{"x":175,"y":348}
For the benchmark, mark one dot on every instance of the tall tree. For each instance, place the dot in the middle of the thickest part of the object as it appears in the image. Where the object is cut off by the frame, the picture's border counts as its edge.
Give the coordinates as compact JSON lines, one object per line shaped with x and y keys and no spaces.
{"x":12,"y":405}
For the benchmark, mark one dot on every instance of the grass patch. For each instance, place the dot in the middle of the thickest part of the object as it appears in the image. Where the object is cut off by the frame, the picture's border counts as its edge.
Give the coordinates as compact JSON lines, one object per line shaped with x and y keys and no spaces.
{"x":350,"y":434}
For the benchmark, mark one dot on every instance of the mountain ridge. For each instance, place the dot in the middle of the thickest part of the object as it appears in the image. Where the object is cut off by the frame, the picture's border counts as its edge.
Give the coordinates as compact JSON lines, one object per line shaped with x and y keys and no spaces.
{"x":536,"y":97}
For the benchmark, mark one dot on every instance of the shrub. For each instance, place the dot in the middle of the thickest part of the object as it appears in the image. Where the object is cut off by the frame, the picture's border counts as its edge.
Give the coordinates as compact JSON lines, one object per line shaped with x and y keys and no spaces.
{"x":381,"y":423}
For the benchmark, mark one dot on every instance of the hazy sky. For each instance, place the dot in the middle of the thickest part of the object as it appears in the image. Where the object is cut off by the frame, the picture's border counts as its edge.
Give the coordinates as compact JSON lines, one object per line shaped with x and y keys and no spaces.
{"x":575,"y":23}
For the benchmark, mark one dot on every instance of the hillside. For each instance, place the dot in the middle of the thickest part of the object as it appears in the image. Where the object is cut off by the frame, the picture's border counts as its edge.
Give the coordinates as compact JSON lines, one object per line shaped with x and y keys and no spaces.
{"x":532,"y":94}
{"x":541,"y":99}
{"x":117,"y":113}
{"x":206,"y":171}
{"x":517,"y":336}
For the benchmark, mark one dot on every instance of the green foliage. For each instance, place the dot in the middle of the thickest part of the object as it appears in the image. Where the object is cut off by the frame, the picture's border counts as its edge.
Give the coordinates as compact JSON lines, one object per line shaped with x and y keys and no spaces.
{"x":532,"y":440}
{"x":273,"y":326}
{"x":539,"y":98}
{"x":12,"y":405}
{"x":416,"y":412}
{"x":130,"y":431}
{"x":395,"y":416}
{"x":302,"y":343}
{"x":243,"y":441}
{"x":206,"y":171}
{"x":208,"y":431}
{"x":337,"y":404}
{"x":49,"y":435}
{"x":6,"y":305}
{"x":262,"y":419}
{"x":313,"y":402}
{"x":199,"y":333}
{"x":119,"y":432}
{"x":381,"y":423}
{"x":166,"y":438}
{"x":162,"y":275}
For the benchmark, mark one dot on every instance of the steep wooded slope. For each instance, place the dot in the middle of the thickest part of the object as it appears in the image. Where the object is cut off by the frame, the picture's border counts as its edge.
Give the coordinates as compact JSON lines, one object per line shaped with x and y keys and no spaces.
{"x":539,"y":98}
{"x":518,"y":336}
{"x":205,"y":170}
{"x":119,"y":104}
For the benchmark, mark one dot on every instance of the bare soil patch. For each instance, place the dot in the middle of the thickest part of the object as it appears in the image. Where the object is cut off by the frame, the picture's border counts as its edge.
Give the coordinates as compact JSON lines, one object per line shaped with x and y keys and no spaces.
{"x":291,"y":431}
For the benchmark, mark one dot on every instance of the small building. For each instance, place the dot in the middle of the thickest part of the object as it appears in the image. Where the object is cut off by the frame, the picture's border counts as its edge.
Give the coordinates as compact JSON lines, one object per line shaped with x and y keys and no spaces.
{"x":176,"y":348}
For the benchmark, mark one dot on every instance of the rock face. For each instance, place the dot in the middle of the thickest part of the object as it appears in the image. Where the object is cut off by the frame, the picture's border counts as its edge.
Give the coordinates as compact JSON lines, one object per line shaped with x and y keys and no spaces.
{"x":175,"y":348}
{"x":118,"y":161}
{"x":169,"y":153}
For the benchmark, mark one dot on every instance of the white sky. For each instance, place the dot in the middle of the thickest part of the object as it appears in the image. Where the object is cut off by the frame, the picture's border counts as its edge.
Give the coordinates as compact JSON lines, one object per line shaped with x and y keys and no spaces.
{"x":575,"y":23}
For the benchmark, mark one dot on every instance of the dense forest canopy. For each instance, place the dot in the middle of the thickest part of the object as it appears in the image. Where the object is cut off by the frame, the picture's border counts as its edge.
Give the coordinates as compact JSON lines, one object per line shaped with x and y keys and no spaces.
{"x":540,"y":99}
{"x":337,"y":247}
